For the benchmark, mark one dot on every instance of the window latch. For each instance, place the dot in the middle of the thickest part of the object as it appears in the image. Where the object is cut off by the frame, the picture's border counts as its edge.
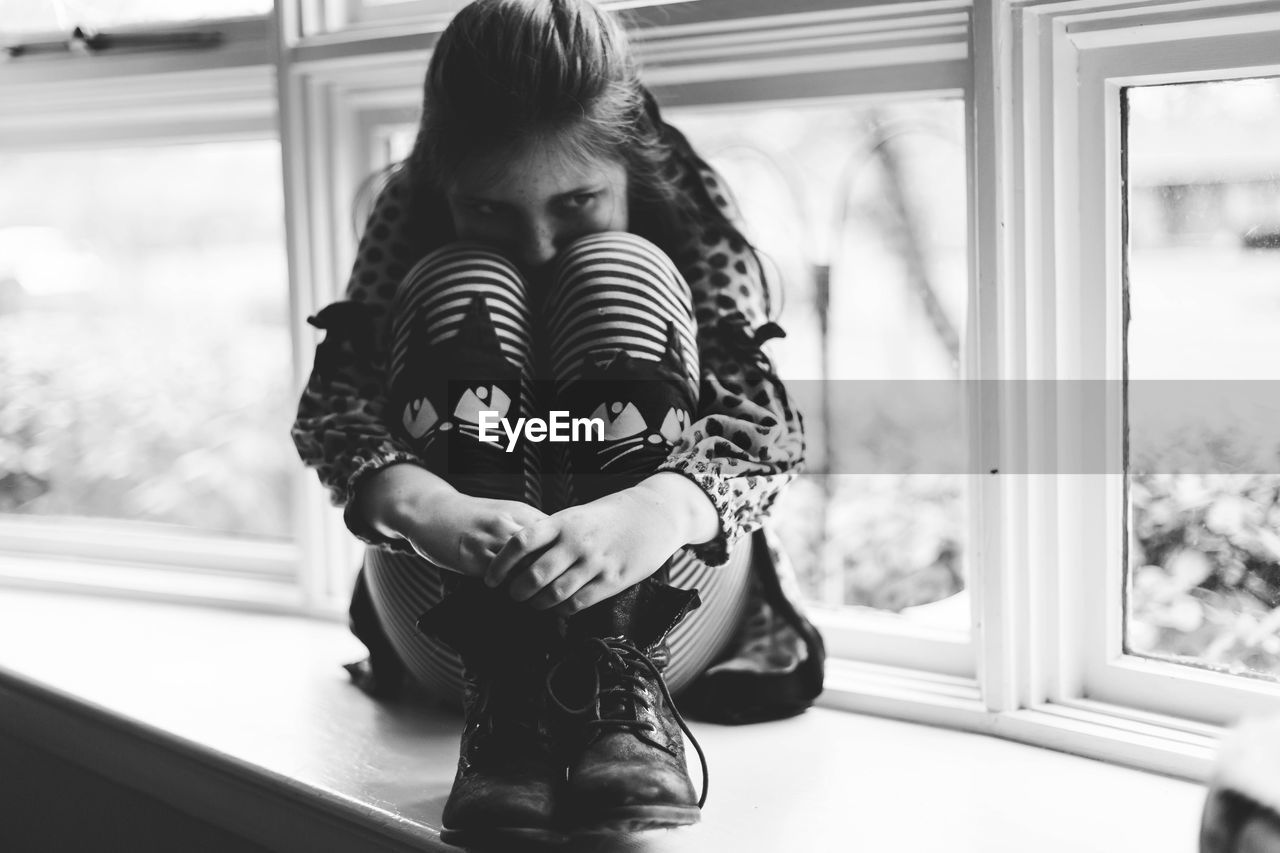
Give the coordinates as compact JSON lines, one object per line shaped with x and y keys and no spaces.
{"x":90,"y":42}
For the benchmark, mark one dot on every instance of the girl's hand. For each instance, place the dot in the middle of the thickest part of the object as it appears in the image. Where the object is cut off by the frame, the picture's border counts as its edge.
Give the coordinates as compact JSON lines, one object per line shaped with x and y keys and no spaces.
{"x":464,"y":534}
{"x":453,"y":530}
{"x":585,"y":554}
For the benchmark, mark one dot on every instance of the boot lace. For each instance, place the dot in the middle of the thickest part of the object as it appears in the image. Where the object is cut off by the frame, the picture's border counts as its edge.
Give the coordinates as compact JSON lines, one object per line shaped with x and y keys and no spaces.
{"x":622,"y":661}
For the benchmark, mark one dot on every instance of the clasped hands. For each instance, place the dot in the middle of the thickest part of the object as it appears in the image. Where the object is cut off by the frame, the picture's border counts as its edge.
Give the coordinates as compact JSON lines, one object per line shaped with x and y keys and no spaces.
{"x":567,"y":561}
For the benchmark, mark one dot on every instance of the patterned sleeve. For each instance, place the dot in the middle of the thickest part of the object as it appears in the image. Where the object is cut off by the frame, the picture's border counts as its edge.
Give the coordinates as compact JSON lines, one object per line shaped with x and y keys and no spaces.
{"x":341,"y":428}
{"x":746,"y":441}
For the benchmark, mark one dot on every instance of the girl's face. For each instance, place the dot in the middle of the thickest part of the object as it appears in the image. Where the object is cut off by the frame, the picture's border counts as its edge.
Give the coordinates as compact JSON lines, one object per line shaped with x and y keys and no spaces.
{"x":531,"y":203}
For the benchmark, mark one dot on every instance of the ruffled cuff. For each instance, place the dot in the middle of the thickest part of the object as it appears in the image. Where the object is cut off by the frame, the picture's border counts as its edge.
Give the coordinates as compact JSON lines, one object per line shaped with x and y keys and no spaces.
{"x":708,"y":475}
{"x":385,"y":455}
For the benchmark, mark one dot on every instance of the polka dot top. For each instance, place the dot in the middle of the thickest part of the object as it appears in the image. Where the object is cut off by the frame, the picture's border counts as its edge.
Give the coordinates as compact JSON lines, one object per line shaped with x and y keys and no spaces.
{"x":744,"y":444}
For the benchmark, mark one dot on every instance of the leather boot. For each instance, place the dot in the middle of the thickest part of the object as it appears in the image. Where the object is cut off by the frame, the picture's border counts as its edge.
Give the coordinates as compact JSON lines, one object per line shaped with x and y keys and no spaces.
{"x":625,"y":751}
{"x":508,"y":770}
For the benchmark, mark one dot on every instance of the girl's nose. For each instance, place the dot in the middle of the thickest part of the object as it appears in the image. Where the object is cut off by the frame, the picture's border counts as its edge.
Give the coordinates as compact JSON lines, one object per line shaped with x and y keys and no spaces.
{"x":538,"y":245}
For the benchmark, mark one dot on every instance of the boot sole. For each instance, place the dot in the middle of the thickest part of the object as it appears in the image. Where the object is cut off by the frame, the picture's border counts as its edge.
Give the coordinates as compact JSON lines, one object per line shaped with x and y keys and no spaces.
{"x":626,"y":819}
{"x":502,"y":838}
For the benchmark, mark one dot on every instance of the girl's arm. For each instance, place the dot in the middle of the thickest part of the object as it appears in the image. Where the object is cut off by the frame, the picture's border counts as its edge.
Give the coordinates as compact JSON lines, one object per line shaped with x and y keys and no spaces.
{"x":390,"y":498}
{"x":718,"y":483}
{"x":746,"y":441}
{"x":340,"y":429}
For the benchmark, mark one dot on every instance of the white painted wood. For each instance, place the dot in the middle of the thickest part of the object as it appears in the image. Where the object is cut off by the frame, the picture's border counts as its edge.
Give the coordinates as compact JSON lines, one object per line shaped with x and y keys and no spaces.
{"x":328,"y":556}
{"x":1106,"y":737}
{"x":1180,"y":42}
{"x":991,"y":542}
{"x":213,"y":103}
{"x":810,"y":36}
{"x":356,"y":18}
{"x":1017,"y":119}
{"x":1158,"y":743}
{"x":247,"y":721}
{"x":870,"y":636}
{"x":932,"y":79}
{"x":140,"y":545}
{"x":905,"y":693}
{"x":156,"y":582}
{"x":1068,"y":63}
{"x":347,"y":19}
{"x":245,"y":44}
{"x":292,"y":19}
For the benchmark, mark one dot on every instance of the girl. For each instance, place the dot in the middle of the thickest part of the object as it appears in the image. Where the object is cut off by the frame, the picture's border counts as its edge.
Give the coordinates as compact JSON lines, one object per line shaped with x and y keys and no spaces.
{"x":552,"y":245}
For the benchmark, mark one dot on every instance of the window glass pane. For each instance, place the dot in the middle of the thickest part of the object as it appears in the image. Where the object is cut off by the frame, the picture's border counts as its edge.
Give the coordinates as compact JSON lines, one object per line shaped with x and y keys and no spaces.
{"x":1203,"y":193}
{"x":18,"y":16}
{"x":144,"y":345}
{"x":861,"y":210}
{"x":392,"y":143}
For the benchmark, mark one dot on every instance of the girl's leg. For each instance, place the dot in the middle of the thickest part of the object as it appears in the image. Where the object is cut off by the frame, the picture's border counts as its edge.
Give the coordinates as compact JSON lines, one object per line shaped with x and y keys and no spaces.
{"x":461,"y":345}
{"x":622,"y":346}
{"x":461,"y":341}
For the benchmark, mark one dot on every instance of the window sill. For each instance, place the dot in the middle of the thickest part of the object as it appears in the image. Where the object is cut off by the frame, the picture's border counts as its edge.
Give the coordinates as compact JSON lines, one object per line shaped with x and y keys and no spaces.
{"x":246,"y":721}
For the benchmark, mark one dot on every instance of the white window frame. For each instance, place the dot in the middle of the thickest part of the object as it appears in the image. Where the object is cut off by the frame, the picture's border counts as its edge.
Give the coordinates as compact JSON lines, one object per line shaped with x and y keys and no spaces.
{"x":1175,"y":43}
{"x":1048,"y":124}
{"x":145,"y":98}
{"x":341,"y":20}
{"x":319,"y":17}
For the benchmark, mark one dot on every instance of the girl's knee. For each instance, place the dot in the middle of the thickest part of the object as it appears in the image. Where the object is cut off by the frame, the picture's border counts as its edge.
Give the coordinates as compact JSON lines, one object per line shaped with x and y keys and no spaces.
{"x":459,"y":265}
{"x":606,"y":251}
{"x":606,"y":239}
{"x":607,"y":245}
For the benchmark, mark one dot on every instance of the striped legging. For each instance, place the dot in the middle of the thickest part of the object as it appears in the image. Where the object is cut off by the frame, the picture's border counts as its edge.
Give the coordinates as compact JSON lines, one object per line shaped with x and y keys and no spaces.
{"x":612,"y":330}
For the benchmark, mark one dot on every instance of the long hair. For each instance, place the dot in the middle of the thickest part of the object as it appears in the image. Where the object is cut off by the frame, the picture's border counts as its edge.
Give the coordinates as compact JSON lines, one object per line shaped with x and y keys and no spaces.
{"x":508,"y":73}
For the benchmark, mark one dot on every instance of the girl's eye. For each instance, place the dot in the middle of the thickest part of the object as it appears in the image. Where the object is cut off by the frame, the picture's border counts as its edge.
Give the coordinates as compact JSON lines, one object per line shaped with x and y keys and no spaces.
{"x":581,"y":199}
{"x":479,"y":208}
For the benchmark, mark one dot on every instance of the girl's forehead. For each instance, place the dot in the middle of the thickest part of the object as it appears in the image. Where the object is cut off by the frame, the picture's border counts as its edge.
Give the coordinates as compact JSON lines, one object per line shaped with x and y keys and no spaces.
{"x":548,"y":165}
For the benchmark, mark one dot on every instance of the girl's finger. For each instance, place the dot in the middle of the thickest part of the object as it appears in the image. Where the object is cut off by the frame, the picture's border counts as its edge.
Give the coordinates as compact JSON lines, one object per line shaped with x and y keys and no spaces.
{"x":591,"y":593}
{"x":523,"y":544}
{"x":505,"y":528}
{"x":525,"y":583}
{"x":562,"y":588}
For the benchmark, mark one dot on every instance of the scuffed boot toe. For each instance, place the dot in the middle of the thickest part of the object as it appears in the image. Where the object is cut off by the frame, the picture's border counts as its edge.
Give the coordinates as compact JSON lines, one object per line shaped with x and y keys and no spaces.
{"x":483,"y":811}
{"x":630,"y":797}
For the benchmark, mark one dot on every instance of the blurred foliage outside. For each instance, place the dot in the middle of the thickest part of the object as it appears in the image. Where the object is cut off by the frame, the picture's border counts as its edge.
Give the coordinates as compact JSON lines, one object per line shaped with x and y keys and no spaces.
{"x":144,"y":344}
{"x":874,"y":197}
{"x":93,"y":424}
{"x":1203,"y":185}
{"x":889,"y":541}
{"x":1205,"y":558}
